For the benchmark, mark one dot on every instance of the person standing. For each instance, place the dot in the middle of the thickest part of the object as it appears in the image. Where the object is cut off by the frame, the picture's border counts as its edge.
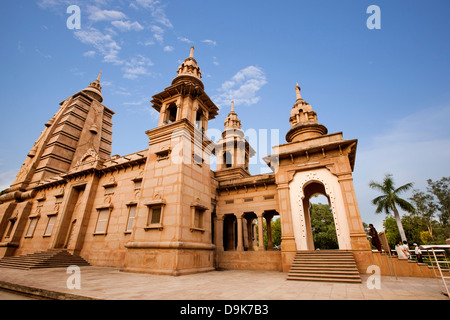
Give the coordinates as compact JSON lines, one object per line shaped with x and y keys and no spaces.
{"x":406,"y":247}
{"x":401,"y":252}
{"x":418,"y":253}
{"x":375,"y":239}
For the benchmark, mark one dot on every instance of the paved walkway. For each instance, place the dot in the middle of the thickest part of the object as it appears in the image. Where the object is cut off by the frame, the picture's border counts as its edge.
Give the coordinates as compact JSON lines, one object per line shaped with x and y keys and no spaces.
{"x":112,"y":284}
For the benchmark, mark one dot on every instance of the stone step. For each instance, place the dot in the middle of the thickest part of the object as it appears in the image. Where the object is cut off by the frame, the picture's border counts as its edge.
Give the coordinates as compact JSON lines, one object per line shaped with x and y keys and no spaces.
{"x":324,"y":269}
{"x":323,"y":272}
{"x":330,"y":266}
{"x":55,"y":258}
{"x":323,"y":279}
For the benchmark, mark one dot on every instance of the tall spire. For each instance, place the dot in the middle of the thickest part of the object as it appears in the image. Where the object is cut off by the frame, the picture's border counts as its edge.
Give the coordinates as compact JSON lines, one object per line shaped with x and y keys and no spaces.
{"x":303,"y":120}
{"x":232,"y":121}
{"x":297,"y":91}
{"x":189,"y":70}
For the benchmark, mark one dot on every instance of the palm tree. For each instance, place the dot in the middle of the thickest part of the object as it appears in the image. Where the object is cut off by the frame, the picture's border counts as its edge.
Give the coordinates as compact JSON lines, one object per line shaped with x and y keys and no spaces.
{"x":389,"y":200}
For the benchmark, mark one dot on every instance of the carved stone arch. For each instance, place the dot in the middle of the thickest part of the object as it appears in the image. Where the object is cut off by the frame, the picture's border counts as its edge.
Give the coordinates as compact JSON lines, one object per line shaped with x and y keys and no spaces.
{"x":331,"y":189}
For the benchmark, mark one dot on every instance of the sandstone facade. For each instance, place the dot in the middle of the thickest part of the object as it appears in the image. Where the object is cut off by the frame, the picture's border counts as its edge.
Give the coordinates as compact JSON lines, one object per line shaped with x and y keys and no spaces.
{"x":163,"y":210}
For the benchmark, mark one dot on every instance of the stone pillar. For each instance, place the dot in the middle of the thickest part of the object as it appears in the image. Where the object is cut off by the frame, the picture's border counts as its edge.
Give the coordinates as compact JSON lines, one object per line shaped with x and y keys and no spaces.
{"x":219,"y":233}
{"x":255,"y":241}
{"x":245,"y":233}
{"x":287,"y":232}
{"x":358,"y":236}
{"x":269,"y":232}
{"x":250,"y":234}
{"x":260,"y":232}
{"x":240,"y":246}
{"x":162,"y":114}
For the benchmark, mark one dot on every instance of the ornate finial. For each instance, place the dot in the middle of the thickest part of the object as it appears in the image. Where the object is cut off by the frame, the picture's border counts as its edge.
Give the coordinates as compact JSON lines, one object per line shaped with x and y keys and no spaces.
{"x":95,"y":89}
{"x":232,"y":106}
{"x":191,"y":55}
{"x":297,"y":91}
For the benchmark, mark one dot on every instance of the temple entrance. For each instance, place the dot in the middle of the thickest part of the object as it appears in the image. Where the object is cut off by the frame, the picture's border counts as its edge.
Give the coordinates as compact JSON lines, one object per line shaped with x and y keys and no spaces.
{"x":319,"y":218}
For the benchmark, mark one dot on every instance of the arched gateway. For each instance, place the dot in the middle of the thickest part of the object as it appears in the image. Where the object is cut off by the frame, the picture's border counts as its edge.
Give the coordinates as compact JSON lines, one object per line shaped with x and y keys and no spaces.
{"x":314,"y":161}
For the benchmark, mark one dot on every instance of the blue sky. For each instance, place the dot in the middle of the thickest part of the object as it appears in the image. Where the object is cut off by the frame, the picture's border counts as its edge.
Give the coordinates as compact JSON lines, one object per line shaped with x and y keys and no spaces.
{"x":388,"y":88}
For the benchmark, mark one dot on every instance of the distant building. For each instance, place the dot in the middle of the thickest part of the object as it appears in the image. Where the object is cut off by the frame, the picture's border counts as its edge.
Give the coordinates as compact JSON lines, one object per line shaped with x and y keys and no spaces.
{"x":163,"y":210}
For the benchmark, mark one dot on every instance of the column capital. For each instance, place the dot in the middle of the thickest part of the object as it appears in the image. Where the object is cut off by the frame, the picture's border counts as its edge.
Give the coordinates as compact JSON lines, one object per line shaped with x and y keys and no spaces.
{"x":283,"y":186}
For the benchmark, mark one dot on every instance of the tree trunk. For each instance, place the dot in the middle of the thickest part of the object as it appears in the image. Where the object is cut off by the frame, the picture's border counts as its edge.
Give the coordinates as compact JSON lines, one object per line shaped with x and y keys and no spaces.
{"x":399,"y":224}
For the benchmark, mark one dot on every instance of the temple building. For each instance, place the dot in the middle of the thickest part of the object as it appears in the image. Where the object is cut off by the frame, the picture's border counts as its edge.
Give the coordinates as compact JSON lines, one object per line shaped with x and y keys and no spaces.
{"x":163,"y":210}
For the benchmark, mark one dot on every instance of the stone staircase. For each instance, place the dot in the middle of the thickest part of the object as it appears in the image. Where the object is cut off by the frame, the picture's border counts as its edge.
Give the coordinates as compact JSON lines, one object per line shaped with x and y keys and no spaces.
{"x":324,"y":265}
{"x":54,"y":258}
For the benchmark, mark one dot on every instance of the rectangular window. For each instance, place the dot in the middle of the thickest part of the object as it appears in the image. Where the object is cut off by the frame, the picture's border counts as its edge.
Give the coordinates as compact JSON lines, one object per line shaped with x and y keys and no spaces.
{"x":109,"y":190}
{"x":102,"y":221}
{"x":137,"y":184}
{"x":131,"y":216}
{"x":12,"y":222}
{"x":154,"y":215}
{"x":50,"y":225}
{"x":198,"y":218}
{"x":31,"y":227}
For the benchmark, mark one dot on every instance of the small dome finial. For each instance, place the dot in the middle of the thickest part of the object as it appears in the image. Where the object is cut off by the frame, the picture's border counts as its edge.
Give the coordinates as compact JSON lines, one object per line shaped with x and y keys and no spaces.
{"x":191,"y":55}
{"x":99,"y":75}
{"x":232,"y":106}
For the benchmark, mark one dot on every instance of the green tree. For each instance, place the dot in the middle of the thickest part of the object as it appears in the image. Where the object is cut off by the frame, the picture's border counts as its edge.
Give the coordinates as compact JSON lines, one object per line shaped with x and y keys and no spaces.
{"x":276,"y":232}
{"x":390,"y":199}
{"x":391,"y":230}
{"x":323,"y":228}
{"x":441,"y":190}
{"x":425,"y":208}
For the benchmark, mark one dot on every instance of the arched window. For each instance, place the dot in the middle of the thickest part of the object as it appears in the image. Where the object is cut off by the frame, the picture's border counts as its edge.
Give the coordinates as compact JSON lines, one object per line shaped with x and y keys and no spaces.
{"x":171,"y":113}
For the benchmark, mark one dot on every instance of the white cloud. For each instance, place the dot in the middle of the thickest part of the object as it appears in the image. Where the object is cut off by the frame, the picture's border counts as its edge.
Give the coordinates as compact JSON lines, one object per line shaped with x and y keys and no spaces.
{"x":146,"y":43}
{"x":97,"y":14}
{"x":242,"y":87}
{"x":168,"y":48}
{"x":184,"y":39}
{"x":156,"y":10}
{"x":137,"y":66}
{"x":210,"y":42}
{"x":90,"y":53}
{"x":158,"y":33}
{"x":137,"y":102}
{"x":103,"y":43}
{"x":127,"y":25}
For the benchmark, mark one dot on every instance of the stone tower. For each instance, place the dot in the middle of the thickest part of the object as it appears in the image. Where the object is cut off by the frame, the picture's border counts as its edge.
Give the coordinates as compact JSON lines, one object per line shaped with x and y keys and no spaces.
{"x":232,"y":150}
{"x":82,"y":126}
{"x":79,"y":133}
{"x":173,"y":233}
